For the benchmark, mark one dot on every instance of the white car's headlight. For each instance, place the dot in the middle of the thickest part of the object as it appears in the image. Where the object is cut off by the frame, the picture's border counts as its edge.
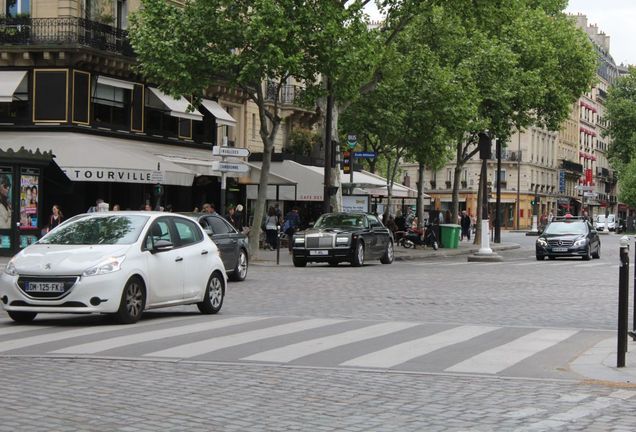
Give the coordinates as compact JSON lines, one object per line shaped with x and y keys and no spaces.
{"x":299,"y":240}
{"x":580,"y":242}
{"x":342,"y":240}
{"x":542,"y":242}
{"x":109,"y":265}
{"x":10,"y":268}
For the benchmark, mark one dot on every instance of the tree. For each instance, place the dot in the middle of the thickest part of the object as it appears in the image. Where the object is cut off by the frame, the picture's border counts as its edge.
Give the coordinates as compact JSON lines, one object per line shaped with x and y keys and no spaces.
{"x":621,"y":118}
{"x":187,"y":49}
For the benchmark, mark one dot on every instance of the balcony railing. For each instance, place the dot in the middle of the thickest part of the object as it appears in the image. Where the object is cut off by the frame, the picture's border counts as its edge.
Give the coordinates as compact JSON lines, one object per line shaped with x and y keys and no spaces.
{"x":63,"y":32}
{"x":289,"y":94}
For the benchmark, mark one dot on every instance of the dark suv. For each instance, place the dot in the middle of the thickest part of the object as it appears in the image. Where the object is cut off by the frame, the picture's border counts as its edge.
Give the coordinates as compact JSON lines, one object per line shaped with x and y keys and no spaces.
{"x":568,"y":236}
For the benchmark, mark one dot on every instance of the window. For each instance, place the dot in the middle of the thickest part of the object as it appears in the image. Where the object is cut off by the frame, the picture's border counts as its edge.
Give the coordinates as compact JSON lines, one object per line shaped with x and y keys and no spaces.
{"x":218,"y":225}
{"x":18,"y":7}
{"x":111,"y":106}
{"x":188,"y":232}
{"x":159,"y":230}
{"x":374,"y":222}
{"x":253,"y":126}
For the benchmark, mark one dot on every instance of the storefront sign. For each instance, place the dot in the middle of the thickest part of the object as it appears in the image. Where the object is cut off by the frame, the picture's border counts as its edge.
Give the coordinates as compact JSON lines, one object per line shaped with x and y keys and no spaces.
{"x":29,"y":201}
{"x":6,"y":196}
{"x":355,"y":203}
{"x":110,"y":175}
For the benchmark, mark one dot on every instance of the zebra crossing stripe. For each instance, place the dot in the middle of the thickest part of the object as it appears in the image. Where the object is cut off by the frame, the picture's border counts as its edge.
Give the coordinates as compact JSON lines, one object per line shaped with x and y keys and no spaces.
{"x":120,"y":341}
{"x":214,"y":344}
{"x":313,"y":346}
{"x":68,"y":334}
{"x":13,"y":329}
{"x":401,"y":353}
{"x":504,"y":356}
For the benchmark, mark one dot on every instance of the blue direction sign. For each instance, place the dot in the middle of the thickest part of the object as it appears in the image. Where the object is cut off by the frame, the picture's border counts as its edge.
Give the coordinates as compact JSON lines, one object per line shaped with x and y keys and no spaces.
{"x":364,"y":155}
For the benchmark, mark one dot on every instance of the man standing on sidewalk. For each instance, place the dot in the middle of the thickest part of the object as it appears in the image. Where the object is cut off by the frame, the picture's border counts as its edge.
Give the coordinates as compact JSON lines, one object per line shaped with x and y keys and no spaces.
{"x":465,"y":224}
{"x":290,"y":226}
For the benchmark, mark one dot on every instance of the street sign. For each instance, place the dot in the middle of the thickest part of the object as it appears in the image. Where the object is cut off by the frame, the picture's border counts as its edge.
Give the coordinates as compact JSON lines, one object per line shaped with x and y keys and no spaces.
{"x":352,"y":140}
{"x":584,"y":188}
{"x":364,"y":155}
{"x":157,"y":177}
{"x":230,"y":151}
{"x":230,"y":167}
{"x":589,"y":194}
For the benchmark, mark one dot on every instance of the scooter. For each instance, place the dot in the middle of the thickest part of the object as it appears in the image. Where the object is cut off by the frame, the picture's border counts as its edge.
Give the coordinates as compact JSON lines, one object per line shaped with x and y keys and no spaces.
{"x":412,"y":239}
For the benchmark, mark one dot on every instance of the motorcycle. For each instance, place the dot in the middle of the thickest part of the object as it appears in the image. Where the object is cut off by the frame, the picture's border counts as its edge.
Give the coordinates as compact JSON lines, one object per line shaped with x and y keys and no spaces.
{"x":412,"y":238}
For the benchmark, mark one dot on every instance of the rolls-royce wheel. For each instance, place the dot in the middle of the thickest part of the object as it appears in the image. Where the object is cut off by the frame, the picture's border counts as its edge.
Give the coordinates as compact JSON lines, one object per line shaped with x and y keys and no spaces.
{"x":388,"y":256}
{"x":299,"y":262}
{"x":358,"y":256}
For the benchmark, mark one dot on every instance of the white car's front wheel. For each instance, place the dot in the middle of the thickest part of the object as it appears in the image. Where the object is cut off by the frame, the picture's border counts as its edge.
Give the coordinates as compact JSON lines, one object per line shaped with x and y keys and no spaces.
{"x":133,"y":302}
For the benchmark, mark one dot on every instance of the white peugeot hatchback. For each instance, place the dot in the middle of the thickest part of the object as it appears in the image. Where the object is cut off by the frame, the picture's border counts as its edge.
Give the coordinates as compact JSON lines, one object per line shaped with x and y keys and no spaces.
{"x":115,"y":263}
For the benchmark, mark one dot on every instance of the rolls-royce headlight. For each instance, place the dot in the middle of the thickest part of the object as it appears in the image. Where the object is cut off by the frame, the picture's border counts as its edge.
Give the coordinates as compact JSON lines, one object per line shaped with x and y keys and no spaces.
{"x":342,"y":240}
{"x":299,"y":240}
{"x":580,"y":242}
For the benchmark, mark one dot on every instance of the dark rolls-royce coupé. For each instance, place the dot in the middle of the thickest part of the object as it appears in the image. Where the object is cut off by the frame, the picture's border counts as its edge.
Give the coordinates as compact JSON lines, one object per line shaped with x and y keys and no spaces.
{"x":337,"y":237}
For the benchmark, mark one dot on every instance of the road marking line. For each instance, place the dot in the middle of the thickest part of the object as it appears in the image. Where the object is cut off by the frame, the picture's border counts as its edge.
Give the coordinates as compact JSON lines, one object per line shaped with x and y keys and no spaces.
{"x":214,"y":344}
{"x":120,"y":341}
{"x":313,"y":346}
{"x":526,"y":263}
{"x":68,"y":334}
{"x":13,"y":329}
{"x":597,"y":264}
{"x":504,"y":356}
{"x":401,"y":353}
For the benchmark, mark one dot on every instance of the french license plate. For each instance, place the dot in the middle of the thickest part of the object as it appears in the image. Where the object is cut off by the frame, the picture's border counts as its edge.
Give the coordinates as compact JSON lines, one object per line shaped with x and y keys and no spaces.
{"x":559,"y":249}
{"x":319,"y":252}
{"x":54,"y":287}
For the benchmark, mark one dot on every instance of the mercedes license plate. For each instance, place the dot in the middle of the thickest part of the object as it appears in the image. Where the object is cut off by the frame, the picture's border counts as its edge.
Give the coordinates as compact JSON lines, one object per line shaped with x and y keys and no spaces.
{"x":43,"y":287}
{"x":319,"y":252}
{"x":559,"y":249}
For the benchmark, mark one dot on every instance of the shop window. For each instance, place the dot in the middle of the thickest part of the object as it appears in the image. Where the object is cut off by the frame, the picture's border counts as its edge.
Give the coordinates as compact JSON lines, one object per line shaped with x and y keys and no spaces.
{"x":161,"y":123}
{"x":111,"y":106}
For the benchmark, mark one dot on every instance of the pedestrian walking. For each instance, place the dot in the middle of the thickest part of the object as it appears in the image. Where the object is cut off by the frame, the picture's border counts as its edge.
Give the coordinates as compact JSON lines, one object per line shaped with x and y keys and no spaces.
{"x":290,"y":226}
{"x":271,"y":229}
{"x":55,"y":218}
{"x":465,"y":222}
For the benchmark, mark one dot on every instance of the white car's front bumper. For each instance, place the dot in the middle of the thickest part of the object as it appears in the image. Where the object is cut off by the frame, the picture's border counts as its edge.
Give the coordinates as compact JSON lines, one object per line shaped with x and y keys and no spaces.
{"x":92,"y":294}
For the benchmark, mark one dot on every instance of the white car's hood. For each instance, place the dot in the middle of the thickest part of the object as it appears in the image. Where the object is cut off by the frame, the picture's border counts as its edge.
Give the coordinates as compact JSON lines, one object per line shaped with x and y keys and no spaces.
{"x":64,"y":259}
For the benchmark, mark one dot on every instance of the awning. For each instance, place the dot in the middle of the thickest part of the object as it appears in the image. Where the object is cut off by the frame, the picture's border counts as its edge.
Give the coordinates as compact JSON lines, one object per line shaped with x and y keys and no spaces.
{"x":223,"y":118}
{"x":9,"y":82}
{"x":84,"y":157}
{"x":114,"y":82}
{"x":177,"y":107}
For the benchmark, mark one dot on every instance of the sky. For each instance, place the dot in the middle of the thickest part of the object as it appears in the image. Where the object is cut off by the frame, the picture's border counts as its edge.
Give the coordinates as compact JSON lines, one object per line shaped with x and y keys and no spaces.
{"x":616,"y":18}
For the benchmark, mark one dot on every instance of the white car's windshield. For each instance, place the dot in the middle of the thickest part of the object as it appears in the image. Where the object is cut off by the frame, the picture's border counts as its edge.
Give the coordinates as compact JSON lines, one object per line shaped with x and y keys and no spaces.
{"x":97,"y":230}
{"x":340,"y":221}
{"x":561,"y":228}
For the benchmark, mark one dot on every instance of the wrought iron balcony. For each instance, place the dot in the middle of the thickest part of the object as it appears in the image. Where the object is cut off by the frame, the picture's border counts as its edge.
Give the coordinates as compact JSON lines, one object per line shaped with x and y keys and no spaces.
{"x":63,"y":32}
{"x":289,"y":94}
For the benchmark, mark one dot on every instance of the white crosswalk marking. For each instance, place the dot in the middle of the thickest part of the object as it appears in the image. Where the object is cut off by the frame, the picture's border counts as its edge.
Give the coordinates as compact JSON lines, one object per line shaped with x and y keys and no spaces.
{"x":214,"y":344}
{"x":120,"y":341}
{"x":302,"y":349}
{"x":401,"y":353}
{"x":13,"y":329}
{"x":596,"y":264}
{"x":68,"y":334}
{"x":504,"y":356}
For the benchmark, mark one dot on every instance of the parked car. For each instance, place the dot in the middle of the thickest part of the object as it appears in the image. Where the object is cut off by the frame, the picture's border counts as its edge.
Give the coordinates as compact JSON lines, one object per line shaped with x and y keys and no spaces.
{"x":232,"y":244}
{"x":115,"y":263}
{"x":599,"y":223}
{"x":337,"y":237}
{"x":569,"y":236}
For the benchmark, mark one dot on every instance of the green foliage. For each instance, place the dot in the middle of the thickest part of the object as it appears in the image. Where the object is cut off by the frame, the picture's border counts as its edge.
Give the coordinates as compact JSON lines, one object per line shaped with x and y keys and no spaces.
{"x":627,"y":191}
{"x":302,"y":142}
{"x":621,"y":116}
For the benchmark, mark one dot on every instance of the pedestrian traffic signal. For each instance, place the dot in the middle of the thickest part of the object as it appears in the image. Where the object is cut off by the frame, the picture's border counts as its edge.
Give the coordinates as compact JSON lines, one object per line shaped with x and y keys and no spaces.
{"x":346,"y":162}
{"x":535,"y":201}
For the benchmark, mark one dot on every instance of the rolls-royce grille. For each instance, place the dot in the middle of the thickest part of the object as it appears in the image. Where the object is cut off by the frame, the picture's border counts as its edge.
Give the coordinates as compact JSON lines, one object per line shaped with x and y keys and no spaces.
{"x":46,"y":287}
{"x":319,"y":242}
{"x":561,"y":243}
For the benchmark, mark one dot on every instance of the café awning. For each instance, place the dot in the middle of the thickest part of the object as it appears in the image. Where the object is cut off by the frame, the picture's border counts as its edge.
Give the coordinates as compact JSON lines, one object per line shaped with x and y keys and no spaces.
{"x":9,"y":83}
{"x":177,"y":107}
{"x":223,"y":118}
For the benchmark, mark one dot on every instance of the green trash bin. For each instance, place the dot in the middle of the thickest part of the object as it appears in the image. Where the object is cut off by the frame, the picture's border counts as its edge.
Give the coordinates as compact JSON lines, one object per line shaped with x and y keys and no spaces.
{"x":449,"y":234}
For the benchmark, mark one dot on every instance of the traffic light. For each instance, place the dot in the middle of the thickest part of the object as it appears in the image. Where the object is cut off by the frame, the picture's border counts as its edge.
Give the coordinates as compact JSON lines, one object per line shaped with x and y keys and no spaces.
{"x":157,"y":190}
{"x":535,"y":200}
{"x":346,"y":162}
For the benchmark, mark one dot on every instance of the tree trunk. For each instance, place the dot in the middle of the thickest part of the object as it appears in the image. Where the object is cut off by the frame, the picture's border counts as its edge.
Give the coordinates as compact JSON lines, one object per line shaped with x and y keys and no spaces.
{"x":456,"y":181}
{"x":336,"y":174}
{"x":419,"y":206}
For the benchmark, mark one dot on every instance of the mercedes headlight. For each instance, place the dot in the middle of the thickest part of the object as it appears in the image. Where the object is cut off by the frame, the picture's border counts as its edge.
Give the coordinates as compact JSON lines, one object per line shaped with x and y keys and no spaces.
{"x":109,"y":265}
{"x":580,"y":242}
{"x":10,"y":268}
{"x":542,"y":242}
